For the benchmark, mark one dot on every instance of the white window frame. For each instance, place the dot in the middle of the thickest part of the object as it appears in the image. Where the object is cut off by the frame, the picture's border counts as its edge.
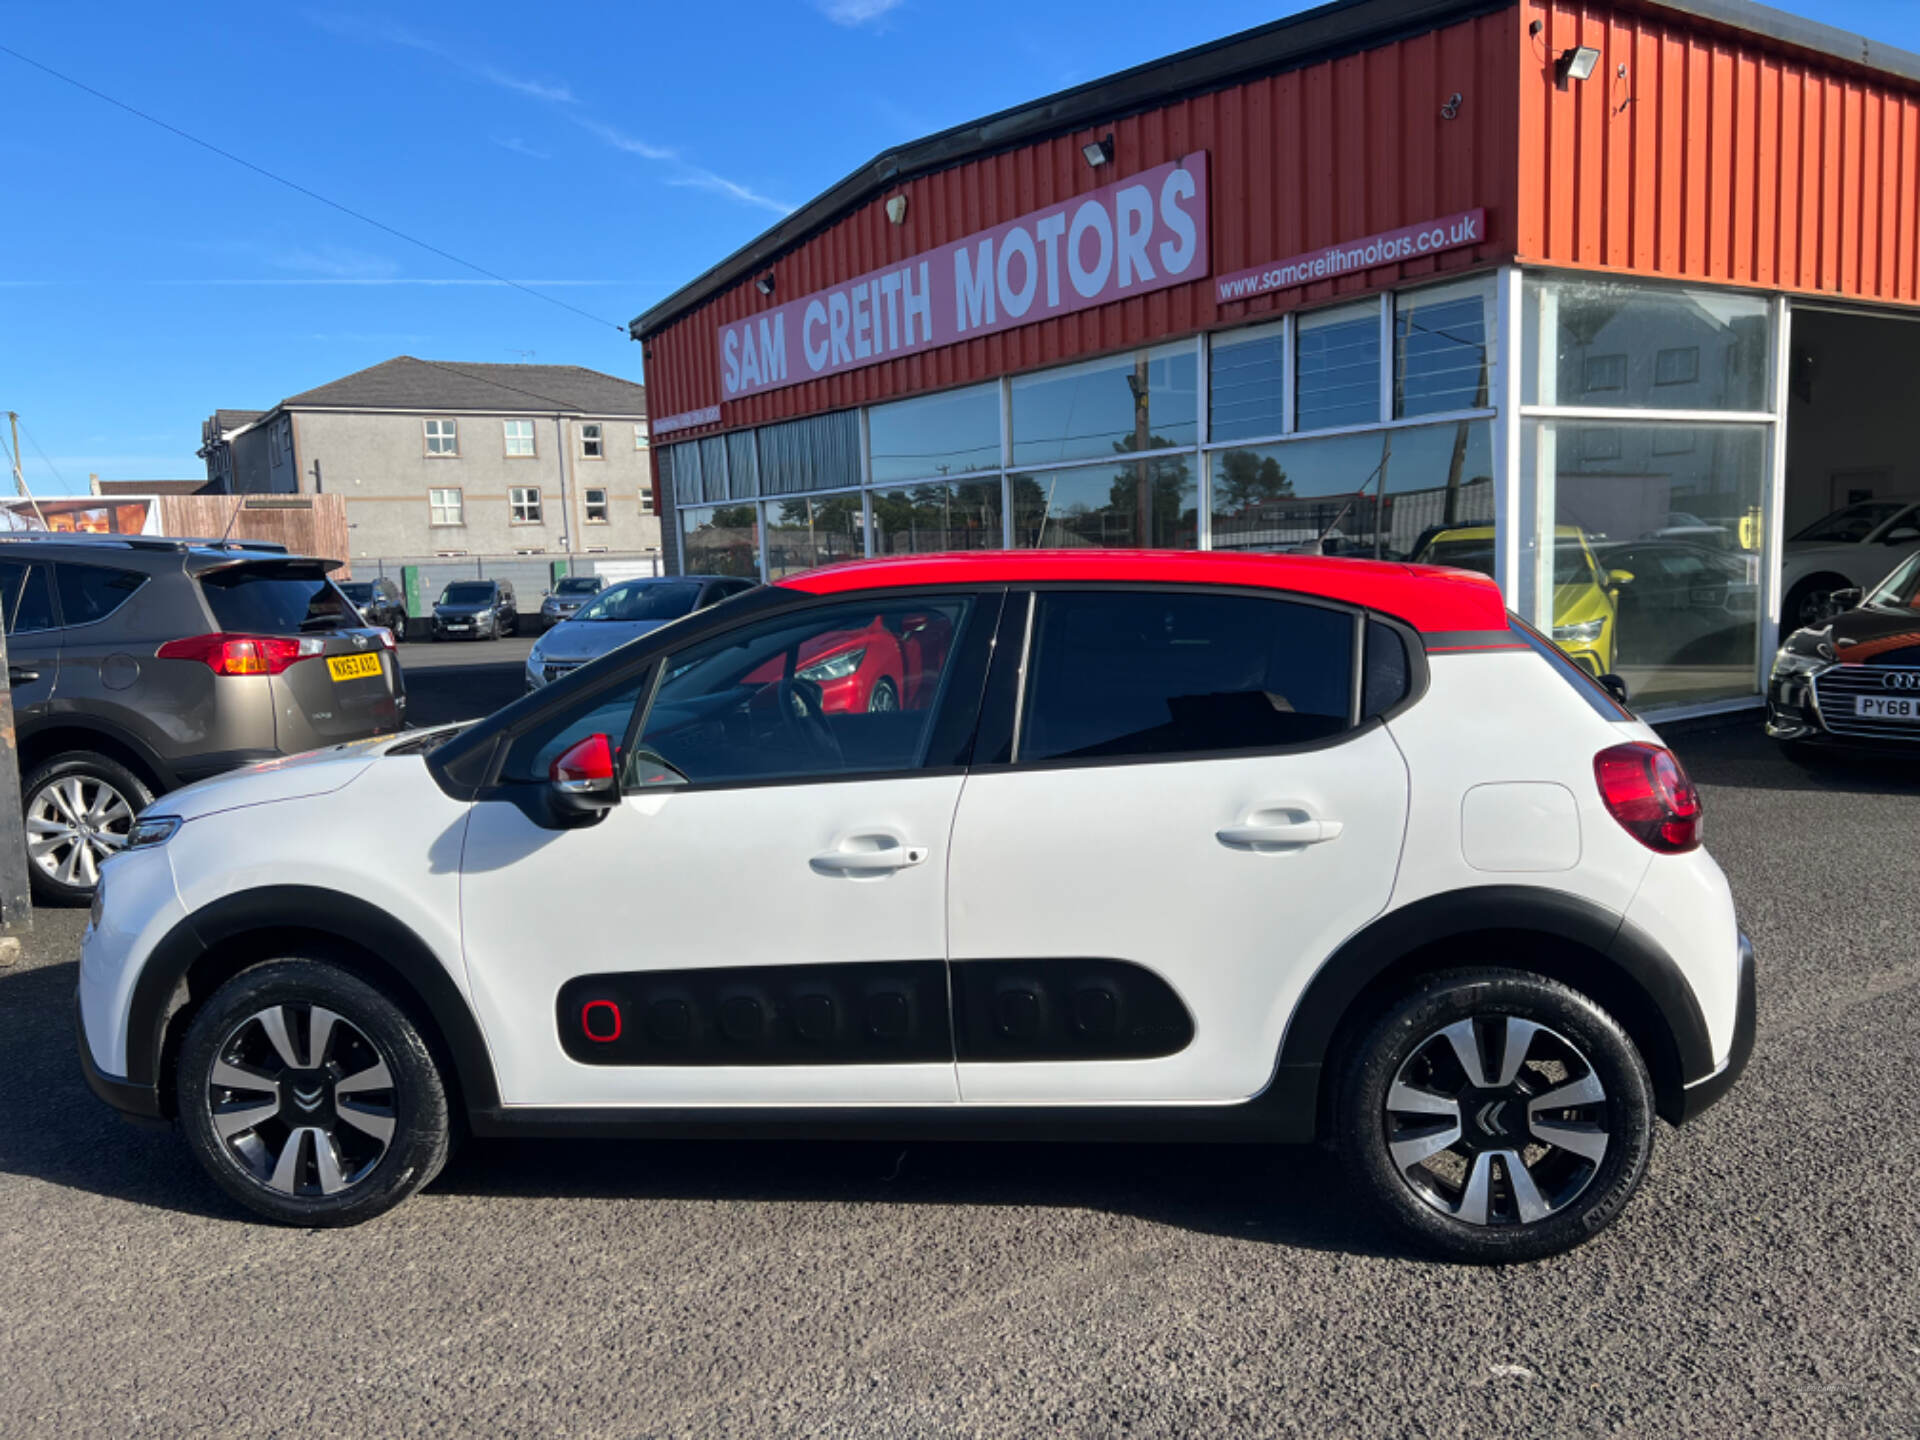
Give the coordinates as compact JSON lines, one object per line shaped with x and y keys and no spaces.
{"x":640,"y":437}
{"x":521,"y":511}
{"x":508,"y":437}
{"x":594,"y":434}
{"x":438,"y":429}
{"x":435,"y":507}
{"x":590,"y":504}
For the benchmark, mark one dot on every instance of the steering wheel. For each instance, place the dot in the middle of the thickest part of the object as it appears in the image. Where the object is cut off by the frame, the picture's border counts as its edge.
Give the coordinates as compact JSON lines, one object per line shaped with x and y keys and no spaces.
{"x":801,"y":710}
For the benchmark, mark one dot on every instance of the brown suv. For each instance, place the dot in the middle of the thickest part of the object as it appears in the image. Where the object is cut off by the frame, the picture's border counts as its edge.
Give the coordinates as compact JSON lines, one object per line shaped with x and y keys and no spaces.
{"x":139,"y":665}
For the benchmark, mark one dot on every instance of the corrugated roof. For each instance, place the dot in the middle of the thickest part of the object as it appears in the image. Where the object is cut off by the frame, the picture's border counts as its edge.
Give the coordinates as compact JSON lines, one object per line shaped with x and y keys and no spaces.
{"x":406,"y":383}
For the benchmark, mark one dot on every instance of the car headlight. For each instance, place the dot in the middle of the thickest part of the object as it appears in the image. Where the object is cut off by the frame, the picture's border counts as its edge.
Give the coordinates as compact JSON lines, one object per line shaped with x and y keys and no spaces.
{"x":1789,"y":662}
{"x":151,"y":830}
{"x":1585,"y":633}
{"x":838,"y":668}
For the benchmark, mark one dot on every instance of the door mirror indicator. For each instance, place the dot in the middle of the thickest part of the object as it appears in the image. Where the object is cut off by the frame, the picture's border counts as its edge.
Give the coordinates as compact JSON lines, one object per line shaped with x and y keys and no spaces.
{"x":585,"y":780}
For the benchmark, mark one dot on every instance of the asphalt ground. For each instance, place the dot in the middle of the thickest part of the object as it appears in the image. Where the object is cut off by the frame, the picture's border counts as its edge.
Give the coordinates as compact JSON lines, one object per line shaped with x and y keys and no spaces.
{"x":1765,"y":1281}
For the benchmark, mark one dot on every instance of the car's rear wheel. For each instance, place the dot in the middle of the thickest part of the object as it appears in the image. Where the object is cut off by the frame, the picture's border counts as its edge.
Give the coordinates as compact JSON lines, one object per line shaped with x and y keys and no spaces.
{"x":309,"y":1096}
{"x":78,"y":808}
{"x":1495,"y":1115}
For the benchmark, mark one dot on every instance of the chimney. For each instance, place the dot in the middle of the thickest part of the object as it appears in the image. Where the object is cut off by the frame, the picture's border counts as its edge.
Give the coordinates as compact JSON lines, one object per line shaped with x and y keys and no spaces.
{"x":93,"y":484}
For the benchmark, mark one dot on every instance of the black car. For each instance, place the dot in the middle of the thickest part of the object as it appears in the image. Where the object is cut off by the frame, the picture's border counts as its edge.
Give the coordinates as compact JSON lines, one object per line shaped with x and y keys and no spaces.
{"x":475,"y":610}
{"x":1854,"y":679}
{"x":379,"y":602}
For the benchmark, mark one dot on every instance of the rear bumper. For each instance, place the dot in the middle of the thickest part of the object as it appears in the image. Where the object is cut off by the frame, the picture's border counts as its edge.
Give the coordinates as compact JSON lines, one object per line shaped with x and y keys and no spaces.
{"x":1702,"y":1093}
{"x":140,"y":1103}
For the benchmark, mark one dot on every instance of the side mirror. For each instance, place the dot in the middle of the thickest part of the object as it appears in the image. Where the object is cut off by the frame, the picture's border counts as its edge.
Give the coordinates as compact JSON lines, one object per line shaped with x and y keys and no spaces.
{"x":1839,"y":600}
{"x":585,"y":781}
{"x":1620,"y":577}
{"x":1904,"y":535}
{"x":1615,"y":686}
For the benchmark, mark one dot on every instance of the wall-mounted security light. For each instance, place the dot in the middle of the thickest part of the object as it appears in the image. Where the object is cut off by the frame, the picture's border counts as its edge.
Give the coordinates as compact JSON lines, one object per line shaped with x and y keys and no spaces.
{"x":1099,"y":152}
{"x":1575,"y":64}
{"x":897,"y":209}
{"x":764,"y":284}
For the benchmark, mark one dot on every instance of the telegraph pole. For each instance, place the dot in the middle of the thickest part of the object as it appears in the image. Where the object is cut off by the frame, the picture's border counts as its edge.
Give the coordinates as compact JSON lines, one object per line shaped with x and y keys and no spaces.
{"x":16,"y":901}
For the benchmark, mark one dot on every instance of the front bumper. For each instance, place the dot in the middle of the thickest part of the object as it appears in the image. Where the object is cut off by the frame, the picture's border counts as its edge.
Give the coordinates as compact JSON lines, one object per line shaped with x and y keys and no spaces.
{"x":1700,"y":1094}
{"x":137,"y":1102}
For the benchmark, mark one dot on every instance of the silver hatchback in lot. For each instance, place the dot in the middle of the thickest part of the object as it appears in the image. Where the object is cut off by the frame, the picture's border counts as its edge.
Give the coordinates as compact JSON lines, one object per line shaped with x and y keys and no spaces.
{"x":139,"y":665}
{"x":621,"y":613}
{"x":568,"y":596}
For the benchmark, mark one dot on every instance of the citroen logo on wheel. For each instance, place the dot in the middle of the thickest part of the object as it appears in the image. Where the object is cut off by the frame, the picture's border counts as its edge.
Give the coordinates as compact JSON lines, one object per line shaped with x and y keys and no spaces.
{"x":1901,"y":680}
{"x":1487,"y":1117}
{"x":309,"y":1099}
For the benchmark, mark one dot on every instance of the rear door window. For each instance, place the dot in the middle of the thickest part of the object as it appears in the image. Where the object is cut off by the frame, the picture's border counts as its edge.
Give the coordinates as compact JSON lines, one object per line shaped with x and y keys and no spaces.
{"x":27,"y":597}
{"x":1126,"y":675}
{"x":93,"y":592}
{"x":275,"y":600}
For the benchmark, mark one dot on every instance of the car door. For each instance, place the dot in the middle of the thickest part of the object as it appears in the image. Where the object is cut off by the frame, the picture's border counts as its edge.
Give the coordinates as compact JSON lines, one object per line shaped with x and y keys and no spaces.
{"x":33,"y":636}
{"x":1187,"y":815}
{"x":762,"y":917}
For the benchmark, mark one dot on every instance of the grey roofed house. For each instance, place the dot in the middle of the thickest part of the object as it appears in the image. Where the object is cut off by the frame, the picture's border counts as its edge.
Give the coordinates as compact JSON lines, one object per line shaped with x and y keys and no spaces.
{"x":451,"y":458}
{"x":405,"y":383}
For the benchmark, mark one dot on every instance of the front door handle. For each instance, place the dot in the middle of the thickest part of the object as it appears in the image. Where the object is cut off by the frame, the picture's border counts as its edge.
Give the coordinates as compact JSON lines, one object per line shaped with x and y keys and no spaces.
{"x":21,"y":675}
{"x":868,"y":855}
{"x":1273,"y":833}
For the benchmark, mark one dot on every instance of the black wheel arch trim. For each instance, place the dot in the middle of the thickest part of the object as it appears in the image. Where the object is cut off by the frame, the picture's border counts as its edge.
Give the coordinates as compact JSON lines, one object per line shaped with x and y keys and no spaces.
{"x":1636,"y":967}
{"x":61,"y":722}
{"x":317,"y":911}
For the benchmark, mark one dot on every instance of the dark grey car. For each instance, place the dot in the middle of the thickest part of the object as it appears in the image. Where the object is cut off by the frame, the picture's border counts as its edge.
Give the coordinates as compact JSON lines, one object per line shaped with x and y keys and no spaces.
{"x":138,"y":665}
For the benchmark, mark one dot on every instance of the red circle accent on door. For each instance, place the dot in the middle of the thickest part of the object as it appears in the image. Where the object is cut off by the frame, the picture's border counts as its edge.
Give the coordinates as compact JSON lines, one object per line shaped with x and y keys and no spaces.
{"x":586,"y":1020}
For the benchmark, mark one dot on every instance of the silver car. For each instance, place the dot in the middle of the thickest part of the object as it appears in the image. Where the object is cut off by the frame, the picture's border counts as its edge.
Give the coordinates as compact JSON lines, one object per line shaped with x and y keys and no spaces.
{"x":621,"y":613}
{"x":568,"y":596}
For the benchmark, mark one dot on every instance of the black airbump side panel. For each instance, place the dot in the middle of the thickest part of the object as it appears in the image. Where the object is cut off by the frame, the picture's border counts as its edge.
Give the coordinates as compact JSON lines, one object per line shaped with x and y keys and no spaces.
{"x":857,"y":1014}
{"x":1065,"y":1009}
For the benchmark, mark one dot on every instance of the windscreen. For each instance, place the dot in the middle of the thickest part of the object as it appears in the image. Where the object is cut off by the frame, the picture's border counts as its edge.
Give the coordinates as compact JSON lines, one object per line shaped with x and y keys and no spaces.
{"x":358,"y":591}
{"x":1853,"y":524}
{"x":577,"y":585}
{"x":467,"y":592}
{"x":275,"y":599}
{"x":644,"y":600}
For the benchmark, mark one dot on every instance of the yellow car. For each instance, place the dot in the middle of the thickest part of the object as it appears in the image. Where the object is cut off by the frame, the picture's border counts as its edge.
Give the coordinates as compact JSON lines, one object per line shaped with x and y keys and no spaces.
{"x":1585,"y":605}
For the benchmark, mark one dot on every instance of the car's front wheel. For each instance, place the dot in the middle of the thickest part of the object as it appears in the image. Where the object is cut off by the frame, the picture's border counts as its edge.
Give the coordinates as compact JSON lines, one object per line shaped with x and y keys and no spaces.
{"x":1495,"y":1115}
{"x":309,"y":1096}
{"x":79,"y":807}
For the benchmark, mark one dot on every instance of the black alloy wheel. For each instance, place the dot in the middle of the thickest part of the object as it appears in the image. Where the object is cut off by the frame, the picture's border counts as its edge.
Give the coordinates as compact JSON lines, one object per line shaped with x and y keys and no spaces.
{"x":1495,"y":1115}
{"x":309,"y":1097}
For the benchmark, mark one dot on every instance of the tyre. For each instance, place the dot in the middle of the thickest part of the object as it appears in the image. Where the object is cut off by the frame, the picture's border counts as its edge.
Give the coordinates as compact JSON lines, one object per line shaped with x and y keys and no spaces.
{"x":309,"y":1096}
{"x":78,"y":808}
{"x":884,"y":698}
{"x":1494,"y":1116}
{"x":1806,"y":602}
{"x":400,"y":628}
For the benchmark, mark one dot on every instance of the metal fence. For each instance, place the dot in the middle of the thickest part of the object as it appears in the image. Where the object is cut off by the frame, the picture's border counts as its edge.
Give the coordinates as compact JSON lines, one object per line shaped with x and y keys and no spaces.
{"x":530,"y":575}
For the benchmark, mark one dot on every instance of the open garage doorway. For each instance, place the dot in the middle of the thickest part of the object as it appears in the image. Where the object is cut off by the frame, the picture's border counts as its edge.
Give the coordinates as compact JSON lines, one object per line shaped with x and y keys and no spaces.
{"x":1853,"y":468}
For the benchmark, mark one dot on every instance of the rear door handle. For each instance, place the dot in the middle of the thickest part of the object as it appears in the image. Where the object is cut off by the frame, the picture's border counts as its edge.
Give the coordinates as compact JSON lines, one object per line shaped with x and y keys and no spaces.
{"x":21,"y":675}
{"x":1257,"y":836}
{"x":868,"y":855}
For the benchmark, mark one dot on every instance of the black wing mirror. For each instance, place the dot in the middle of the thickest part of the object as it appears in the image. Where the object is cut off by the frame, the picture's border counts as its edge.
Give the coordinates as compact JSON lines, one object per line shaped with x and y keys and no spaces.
{"x":1615,"y":686}
{"x":1842,"y":600}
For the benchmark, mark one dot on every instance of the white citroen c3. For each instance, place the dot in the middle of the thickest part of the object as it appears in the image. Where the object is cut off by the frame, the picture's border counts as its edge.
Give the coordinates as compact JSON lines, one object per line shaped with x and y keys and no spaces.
{"x":1078,"y":846}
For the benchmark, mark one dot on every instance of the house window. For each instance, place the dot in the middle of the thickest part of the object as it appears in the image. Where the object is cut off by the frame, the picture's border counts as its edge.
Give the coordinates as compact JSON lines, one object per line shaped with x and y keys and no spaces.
{"x":639,"y":437}
{"x":1604,"y":372}
{"x":524,"y":503}
{"x":596,"y":506}
{"x":1679,"y":366}
{"x":446,"y":507}
{"x":646,"y":500}
{"x":590,"y":442}
{"x":441,"y":438}
{"x":519,"y":437}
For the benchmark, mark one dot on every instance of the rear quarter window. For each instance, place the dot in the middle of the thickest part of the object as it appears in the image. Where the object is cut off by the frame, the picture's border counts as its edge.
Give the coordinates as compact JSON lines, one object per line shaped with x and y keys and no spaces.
{"x":1119,"y":675}
{"x":93,"y":592}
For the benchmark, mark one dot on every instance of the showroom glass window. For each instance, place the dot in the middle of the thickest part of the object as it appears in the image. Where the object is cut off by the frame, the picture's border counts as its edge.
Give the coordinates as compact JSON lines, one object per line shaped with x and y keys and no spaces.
{"x":1337,"y":367}
{"x":1645,"y":555}
{"x":720,"y":540}
{"x":810,"y":530}
{"x":939,"y":515}
{"x":952,"y":433}
{"x":1125,"y":505}
{"x":1117,"y":675}
{"x":841,"y":690}
{"x":1148,"y":400}
{"x":1443,"y":348}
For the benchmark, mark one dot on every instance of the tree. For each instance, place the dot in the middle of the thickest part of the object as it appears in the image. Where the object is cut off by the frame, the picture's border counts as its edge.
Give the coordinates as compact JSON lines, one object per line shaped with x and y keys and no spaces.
{"x":1248,"y":478}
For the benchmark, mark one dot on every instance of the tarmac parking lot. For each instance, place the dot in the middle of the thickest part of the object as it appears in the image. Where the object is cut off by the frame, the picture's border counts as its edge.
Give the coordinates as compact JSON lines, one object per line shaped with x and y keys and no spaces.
{"x":1766,"y":1280}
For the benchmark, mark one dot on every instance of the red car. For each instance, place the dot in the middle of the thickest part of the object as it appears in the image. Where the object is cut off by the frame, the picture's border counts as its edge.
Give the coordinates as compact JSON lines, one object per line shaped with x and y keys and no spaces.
{"x":892,"y":664}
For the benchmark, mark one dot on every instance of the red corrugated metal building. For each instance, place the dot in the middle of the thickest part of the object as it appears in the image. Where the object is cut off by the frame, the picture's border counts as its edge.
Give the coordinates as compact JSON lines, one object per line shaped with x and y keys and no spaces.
{"x":1604,"y":298}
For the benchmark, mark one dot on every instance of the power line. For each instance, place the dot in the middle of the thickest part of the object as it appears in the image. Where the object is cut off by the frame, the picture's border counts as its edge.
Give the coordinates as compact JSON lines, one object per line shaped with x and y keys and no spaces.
{"x":310,"y":194}
{"x":44,"y":460}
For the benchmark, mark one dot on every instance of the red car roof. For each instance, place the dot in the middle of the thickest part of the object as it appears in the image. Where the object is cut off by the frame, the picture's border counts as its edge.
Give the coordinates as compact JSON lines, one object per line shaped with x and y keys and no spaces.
{"x":1433,"y":600}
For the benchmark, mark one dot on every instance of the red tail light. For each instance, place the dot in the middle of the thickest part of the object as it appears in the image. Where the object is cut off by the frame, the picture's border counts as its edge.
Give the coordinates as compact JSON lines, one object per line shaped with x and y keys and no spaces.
{"x":243,"y":654}
{"x":1650,"y":795}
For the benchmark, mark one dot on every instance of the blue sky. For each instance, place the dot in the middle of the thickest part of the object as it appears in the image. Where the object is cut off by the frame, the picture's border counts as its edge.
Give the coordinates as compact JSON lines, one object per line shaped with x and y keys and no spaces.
{"x":603,"y":154}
